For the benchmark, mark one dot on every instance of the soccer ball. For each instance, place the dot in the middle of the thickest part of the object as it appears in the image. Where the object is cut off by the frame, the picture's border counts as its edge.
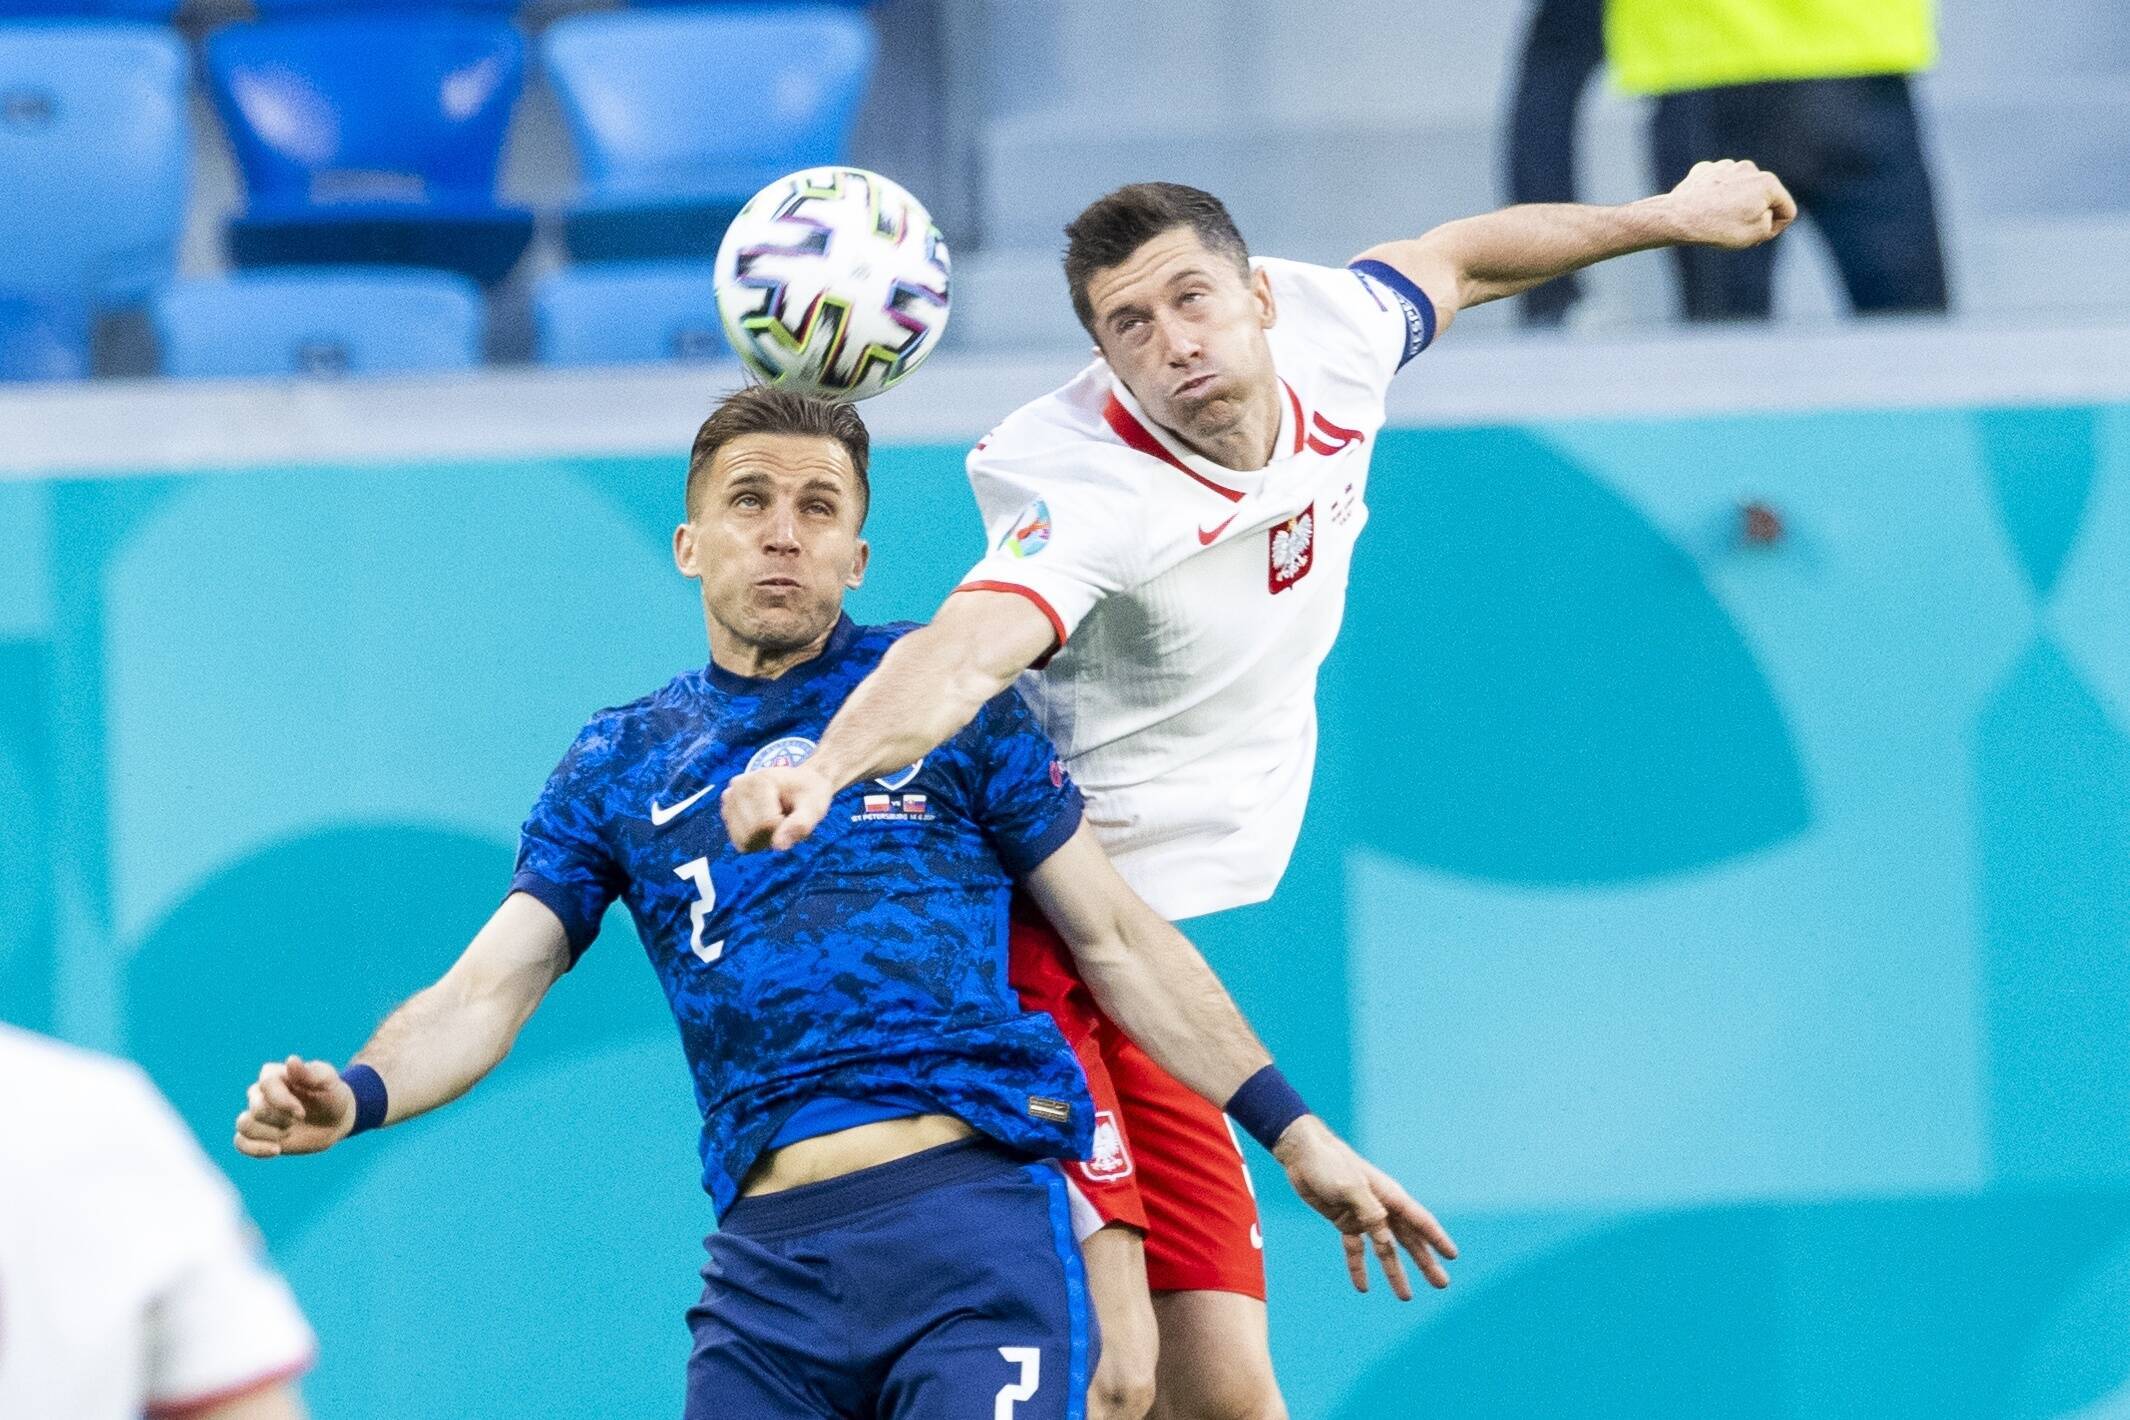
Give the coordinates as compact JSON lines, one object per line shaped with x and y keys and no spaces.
{"x":833,"y":281}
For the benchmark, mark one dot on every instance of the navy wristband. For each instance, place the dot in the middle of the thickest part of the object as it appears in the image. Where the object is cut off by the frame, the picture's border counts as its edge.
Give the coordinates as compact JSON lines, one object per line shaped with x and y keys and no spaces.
{"x":370,"y":1100}
{"x":1265,"y":1105}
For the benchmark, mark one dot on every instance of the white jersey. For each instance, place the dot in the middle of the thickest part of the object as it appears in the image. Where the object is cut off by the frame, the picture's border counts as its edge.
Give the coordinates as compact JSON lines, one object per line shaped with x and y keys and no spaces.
{"x":1193,"y":604}
{"x":130,"y":1279}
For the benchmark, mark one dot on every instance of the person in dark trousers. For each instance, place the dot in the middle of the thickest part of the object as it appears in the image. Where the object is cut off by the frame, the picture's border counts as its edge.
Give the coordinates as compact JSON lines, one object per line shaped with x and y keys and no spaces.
{"x":1564,"y":46}
{"x":1817,"y":90}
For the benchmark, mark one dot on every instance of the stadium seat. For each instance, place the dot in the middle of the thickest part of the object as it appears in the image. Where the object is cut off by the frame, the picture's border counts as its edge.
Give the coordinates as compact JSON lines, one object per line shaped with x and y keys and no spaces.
{"x":88,"y":9}
{"x":95,"y":160}
{"x":41,"y":341}
{"x":268,"y":9}
{"x":348,"y":321}
{"x":624,"y":312}
{"x":372,"y":139}
{"x":681,"y":115}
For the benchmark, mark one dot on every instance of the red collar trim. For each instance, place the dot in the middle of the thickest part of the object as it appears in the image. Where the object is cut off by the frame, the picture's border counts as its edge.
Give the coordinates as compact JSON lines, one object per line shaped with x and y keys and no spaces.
{"x":1136,"y":436}
{"x":1295,"y":400}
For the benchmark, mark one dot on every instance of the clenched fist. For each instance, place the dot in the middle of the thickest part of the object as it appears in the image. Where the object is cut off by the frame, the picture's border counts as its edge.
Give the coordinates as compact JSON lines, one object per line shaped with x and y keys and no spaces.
{"x":775,"y":808}
{"x":296,"y":1106}
{"x":1730,"y":203}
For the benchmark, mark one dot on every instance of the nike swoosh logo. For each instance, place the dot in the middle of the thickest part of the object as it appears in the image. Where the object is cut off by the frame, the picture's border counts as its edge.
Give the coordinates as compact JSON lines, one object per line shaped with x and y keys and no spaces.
{"x":1206,"y":535}
{"x":660,"y":817}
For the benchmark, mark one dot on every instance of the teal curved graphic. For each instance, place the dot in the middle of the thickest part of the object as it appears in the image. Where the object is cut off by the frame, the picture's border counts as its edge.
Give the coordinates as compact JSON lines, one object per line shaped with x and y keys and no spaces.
{"x":1731,"y":943}
{"x":1536,"y":685}
{"x":2041,"y":464}
{"x":303,"y":948}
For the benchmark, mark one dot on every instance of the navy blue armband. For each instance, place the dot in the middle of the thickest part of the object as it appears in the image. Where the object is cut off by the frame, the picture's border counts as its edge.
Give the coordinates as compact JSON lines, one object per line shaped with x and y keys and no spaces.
{"x":1413,"y":304}
{"x":370,"y":1099}
{"x":1265,"y":1105}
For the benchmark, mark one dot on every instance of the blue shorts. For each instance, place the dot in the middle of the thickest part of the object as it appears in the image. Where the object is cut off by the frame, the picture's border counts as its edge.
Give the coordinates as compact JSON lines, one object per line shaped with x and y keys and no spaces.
{"x":947,"y":1283}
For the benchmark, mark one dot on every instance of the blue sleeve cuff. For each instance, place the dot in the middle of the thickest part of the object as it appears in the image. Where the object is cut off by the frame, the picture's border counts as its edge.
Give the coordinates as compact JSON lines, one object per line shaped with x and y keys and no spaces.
{"x":1027,"y":855}
{"x":563,"y":903}
{"x":1413,"y":304}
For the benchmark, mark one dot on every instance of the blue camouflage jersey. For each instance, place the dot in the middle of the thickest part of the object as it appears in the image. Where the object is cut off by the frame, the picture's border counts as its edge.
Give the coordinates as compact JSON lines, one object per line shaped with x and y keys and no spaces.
{"x":868,"y":963}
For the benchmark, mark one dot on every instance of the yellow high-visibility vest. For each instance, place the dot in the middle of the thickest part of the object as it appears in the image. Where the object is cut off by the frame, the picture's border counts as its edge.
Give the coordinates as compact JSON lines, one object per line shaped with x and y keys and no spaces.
{"x":1661,"y":46}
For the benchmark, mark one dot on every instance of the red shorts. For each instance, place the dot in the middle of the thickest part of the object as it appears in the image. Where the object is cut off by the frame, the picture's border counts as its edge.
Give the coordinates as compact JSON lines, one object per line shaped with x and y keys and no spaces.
{"x":1165,"y":1161}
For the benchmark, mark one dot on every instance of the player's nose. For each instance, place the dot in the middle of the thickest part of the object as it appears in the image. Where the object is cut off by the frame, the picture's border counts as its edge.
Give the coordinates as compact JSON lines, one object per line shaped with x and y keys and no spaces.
{"x":782,"y":532}
{"x":1178,"y":341}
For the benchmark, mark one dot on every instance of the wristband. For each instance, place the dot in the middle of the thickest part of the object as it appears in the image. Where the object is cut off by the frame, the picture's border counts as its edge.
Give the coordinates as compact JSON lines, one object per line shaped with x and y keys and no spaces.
{"x":1265,"y":1105}
{"x":370,"y":1099}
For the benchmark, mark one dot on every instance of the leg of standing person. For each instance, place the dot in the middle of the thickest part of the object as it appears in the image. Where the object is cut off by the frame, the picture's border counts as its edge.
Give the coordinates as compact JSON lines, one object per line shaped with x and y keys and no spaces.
{"x":1701,"y":125}
{"x":1873,"y":200}
{"x":1562,"y":49}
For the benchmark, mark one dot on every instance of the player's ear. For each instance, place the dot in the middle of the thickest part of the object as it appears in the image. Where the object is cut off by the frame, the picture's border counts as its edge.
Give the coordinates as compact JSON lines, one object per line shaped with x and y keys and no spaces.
{"x":859,"y":559}
{"x":1261,"y":292}
{"x":685,"y":551}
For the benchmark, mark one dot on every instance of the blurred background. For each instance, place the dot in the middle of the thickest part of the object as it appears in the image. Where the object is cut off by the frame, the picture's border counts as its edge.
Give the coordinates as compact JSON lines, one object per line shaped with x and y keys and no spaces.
{"x":1715,"y":900}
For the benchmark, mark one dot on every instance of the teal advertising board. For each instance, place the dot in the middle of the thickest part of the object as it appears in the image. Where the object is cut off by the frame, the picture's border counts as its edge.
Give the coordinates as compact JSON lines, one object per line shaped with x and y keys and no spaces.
{"x":1731,"y":940}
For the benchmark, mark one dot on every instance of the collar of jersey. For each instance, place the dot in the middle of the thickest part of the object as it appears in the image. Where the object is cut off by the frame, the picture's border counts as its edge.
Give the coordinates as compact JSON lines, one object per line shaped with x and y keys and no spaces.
{"x":1230,"y":483}
{"x":839,"y":641}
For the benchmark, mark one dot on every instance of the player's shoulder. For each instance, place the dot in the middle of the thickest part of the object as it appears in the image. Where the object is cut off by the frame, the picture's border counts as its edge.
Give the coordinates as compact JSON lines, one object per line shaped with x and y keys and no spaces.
{"x":1059,"y":456}
{"x":870,"y":643}
{"x":1062,"y":437}
{"x":54,"y":1065}
{"x":61,"y":1084}
{"x":1310,"y":292}
{"x":621,"y":732}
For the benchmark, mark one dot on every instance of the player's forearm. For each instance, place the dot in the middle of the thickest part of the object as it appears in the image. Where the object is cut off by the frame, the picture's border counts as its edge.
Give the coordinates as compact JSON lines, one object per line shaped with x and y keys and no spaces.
{"x":438,"y":1045}
{"x":1153,"y":982}
{"x":1503,"y":253}
{"x":926,"y":688}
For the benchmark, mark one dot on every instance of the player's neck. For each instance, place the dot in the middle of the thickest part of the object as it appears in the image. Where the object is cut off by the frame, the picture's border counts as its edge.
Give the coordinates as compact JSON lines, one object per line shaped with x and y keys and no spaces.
{"x":1246,"y":445}
{"x":738,"y":656}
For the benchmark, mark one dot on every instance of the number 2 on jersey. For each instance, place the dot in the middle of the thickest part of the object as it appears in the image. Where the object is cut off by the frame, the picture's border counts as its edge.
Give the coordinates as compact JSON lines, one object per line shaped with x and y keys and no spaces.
{"x":1030,"y":1360}
{"x":697,"y":871}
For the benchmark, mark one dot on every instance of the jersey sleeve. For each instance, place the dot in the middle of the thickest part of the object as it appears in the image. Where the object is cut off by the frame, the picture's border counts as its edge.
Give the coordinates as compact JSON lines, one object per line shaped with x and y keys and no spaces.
{"x":222,"y":1324}
{"x":1024,"y":799}
{"x":1368,"y":320}
{"x":563,"y":857}
{"x":1063,"y":546}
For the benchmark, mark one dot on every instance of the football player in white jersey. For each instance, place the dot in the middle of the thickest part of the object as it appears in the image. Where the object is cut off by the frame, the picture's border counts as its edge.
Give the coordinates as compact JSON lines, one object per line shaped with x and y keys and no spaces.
{"x":1170,"y":539}
{"x":130,"y":1280}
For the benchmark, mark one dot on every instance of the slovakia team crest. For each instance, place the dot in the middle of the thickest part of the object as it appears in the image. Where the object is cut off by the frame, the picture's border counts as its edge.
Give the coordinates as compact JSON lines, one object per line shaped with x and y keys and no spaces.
{"x":1111,"y":1160}
{"x":786,"y":753}
{"x":1030,"y":533}
{"x":1293,"y":550}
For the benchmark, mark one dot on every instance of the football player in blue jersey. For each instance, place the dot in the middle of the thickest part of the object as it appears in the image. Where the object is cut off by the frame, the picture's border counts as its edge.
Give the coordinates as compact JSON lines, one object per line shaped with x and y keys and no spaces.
{"x":873,"y":1095}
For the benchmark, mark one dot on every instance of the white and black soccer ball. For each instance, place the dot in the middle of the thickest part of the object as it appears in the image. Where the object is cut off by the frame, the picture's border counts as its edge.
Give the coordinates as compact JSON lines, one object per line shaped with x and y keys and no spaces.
{"x":833,"y":281}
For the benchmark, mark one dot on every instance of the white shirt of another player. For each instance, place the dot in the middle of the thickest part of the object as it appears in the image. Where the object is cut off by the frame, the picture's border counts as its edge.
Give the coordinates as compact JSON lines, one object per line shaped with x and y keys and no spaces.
{"x":130,"y":1279}
{"x":1194,"y":603}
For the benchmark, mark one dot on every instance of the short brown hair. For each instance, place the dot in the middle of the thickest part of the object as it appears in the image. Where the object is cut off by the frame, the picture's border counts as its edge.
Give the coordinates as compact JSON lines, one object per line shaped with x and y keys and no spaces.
{"x":766,"y":409}
{"x":1110,"y":230}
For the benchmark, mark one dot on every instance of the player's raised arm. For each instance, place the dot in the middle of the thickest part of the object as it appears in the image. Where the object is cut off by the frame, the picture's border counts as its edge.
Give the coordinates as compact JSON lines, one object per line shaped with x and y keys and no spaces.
{"x":1731,"y":204}
{"x":1149,"y":978}
{"x":430,"y":1051}
{"x":930,"y":684}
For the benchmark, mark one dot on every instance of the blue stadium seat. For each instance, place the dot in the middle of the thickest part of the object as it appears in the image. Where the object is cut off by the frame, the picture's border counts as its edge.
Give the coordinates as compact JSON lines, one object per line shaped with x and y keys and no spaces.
{"x":372,"y":139}
{"x":42,"y":341}
{"x":268,"y":9}
{"x":95,"y":160}
{"x":88,"y":9}
{"x":346,"y":321}
{"x":681,"y":115}
{"x":625,"y":312}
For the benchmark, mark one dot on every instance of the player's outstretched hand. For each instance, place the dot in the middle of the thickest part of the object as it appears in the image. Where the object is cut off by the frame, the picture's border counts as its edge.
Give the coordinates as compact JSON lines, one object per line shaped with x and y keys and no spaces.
{"x":1731,"y":203}
{"x":296,"y":1106}
{"x":775,"y":808}
{"x":1366,"y":1205}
